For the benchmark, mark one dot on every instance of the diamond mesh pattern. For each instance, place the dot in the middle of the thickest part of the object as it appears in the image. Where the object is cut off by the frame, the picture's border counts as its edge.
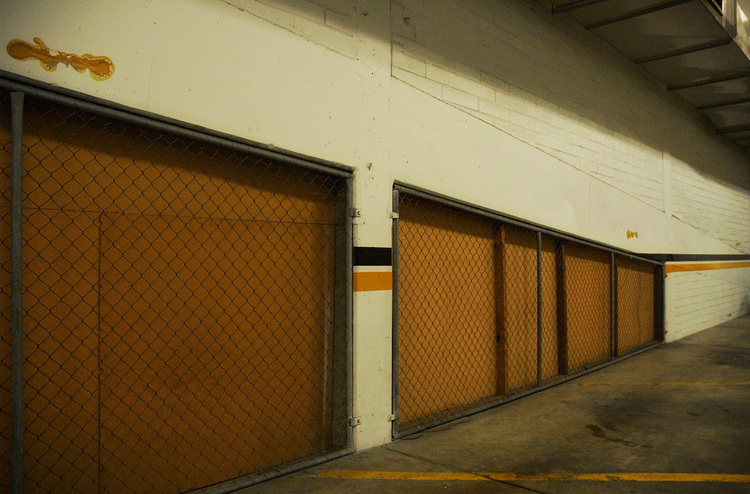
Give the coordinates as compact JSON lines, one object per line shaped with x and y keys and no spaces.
{"x":447,"y":335}
{"x":468,"y":332}
{"x":183,"y":303}
{"x":635,"y":304}
{"x":587,"y":306}
{"x":5,"y":341}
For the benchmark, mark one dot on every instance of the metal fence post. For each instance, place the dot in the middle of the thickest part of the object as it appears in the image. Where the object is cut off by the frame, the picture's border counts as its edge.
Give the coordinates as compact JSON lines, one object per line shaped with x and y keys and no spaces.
{"x":539,"y":308}
{"x":16,"y":218}
{"x":349,"y":253}
{"x":613,"y":305}
{"x":660,"y":278}
{"x":394,"y":315}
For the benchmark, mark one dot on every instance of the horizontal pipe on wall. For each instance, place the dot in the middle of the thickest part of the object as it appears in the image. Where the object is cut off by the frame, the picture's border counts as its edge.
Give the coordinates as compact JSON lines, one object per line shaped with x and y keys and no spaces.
{"x":174,"y":128}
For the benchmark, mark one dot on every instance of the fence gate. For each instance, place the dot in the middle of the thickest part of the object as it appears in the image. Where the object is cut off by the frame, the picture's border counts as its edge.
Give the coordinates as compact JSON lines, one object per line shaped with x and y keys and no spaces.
{"x":488,"y":309}
{"x":184,"y":307}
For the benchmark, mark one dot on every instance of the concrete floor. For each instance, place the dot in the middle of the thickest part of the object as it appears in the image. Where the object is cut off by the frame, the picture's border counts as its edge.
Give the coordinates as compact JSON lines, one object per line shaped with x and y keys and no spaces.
{"x":682,"y":408}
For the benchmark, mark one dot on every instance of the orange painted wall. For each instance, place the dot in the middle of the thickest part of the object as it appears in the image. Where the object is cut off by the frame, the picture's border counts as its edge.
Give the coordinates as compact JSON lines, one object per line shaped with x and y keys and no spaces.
{"x":587,"y":292}
{"x":447,"y":335}
{"x":178,"y":309}
{"x":635,"y":304}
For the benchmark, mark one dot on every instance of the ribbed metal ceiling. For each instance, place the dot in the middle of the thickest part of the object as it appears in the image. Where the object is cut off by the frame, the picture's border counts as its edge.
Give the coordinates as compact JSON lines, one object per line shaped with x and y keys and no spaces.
{"x":697,"y":48}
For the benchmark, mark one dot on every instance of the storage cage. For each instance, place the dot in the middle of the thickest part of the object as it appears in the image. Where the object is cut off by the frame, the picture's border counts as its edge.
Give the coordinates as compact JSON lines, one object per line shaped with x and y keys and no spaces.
{"x":176,"y":305}
{"x":488,"y":308}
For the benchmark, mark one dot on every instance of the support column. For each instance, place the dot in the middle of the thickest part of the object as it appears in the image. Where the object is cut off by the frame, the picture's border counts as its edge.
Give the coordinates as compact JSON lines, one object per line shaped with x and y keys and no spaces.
{"x":16,"y":289}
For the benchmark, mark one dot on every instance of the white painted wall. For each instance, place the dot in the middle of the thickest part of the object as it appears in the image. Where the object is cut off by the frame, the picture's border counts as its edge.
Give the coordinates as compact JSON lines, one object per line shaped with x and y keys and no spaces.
{"x":697,"y":300}
{"x":566,"y":99}
{"x":493,"y":102}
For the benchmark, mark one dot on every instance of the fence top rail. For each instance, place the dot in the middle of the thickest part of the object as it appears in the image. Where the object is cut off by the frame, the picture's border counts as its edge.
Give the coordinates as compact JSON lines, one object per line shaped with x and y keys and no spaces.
{"x":79,"y":101}
{"x":510,"y":220}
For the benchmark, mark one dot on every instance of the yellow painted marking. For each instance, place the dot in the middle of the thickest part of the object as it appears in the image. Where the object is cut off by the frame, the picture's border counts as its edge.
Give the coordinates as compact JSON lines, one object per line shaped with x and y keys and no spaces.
{"x":549,"y":477}
{"x":371,"y":281}
{"x":375,"y":475}
{"x":704,"y":266}
{"x":100,"y":68}
{"x":736,"y":383}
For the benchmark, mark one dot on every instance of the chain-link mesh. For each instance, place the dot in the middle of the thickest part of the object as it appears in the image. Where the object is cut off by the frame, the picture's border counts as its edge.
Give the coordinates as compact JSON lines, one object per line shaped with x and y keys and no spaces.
{"x":447,"y":334}
{"x":517,"y":308}
{"x":587,"y":295}
{"x":468,"y":310}
{"x":635,"y":304}
{"x":550,"y":328}
{"x":184,"y":308}
{"x":5,"y":260}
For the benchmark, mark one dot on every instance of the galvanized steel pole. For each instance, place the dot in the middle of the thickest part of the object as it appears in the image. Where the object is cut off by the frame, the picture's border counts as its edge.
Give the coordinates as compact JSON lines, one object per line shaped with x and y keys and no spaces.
{"x":394,"y":316}
{"x":349,"y":254}
{"x":16,"y":289}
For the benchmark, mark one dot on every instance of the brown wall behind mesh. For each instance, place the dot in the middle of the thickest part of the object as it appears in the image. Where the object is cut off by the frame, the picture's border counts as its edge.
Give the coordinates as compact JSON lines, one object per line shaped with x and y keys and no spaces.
{"x":635,"y":304}
{"x":587,"y":305}
{"x":179,"y":311}
{"x":447,"y":336}
{"x":517,"y":308}
{"x":468,"y":310}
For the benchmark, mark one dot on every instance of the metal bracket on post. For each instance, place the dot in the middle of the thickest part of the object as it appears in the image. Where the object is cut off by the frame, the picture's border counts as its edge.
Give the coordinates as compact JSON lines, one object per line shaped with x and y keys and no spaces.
{"x":16,"y":283}
{"x":355,"y":421}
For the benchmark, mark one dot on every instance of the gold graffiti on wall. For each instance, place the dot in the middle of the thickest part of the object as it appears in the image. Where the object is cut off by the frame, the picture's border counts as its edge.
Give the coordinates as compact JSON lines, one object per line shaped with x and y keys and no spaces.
{"x":632,"y":234}
{"x":101,"y":68}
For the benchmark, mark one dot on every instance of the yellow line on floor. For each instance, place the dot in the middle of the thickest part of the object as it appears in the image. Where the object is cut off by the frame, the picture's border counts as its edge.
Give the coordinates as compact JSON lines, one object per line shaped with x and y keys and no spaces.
{"x":374,"y":475}
{"x":730,"y":383}
{"x":551,"y":477}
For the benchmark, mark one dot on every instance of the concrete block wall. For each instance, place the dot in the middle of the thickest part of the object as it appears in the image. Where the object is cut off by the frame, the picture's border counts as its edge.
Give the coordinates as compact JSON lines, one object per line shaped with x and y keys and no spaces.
{"x":506,"y":64}
{"x":698,"y":300}
{"x":329,"y":23}
{"x":493,"y":102}
{"x":534,"y":77}
{"x":543,"y":82}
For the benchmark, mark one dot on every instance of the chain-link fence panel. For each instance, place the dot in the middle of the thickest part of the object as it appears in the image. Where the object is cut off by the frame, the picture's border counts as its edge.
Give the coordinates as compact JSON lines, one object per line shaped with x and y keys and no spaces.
{"x":587,"y":305}
{"x":550,"y":350}
{"x":487,"y":309}
{"x":517,"y":308}
{"x":529,"y":350}
{"x":635,"y":305}
{"x":447,"y":334}
{"x":6,"y":421}
{"x":184,"y":308}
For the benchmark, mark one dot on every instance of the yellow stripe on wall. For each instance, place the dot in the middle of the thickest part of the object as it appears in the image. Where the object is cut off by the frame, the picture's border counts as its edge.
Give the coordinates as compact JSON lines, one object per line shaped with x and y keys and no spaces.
{"x":704,"y":266}
{"x":372,"y":281}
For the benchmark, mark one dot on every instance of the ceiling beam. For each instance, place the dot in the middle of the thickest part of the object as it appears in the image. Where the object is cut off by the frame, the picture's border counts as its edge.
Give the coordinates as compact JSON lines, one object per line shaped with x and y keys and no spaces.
{"x":734,"y":128}
{"x":684,"y":51}
{"x":637,"y":13}
{"x":733,"y":102}
{"x":713,"y":80}
{"x":575,"y":5}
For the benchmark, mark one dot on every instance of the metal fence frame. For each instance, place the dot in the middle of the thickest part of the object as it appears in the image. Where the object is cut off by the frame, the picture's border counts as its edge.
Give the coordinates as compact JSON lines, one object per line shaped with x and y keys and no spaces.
{"x":442,"y":200}
{"x":18,"y":87}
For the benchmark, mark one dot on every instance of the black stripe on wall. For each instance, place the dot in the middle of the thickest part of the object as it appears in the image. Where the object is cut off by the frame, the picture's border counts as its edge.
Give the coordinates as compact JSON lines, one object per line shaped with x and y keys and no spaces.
{"x":372,"y":256}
